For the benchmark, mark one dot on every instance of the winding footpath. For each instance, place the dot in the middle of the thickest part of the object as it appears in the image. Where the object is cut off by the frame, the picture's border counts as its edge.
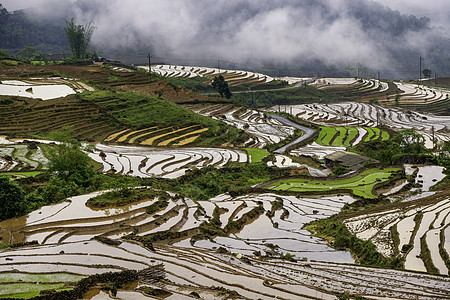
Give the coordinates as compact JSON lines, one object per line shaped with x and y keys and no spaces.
{"x":308,"y":132}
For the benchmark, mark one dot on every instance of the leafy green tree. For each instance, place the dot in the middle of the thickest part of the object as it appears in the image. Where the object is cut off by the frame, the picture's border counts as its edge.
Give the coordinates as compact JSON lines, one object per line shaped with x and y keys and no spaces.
{"x":221,"y":86}
{"x":67,"y":161}
{"x":26,"y":53}
{"x":12,"y":199}
{"x":426,"y":73}
{"x":79,"y":38}
{"x":406,"y":142}
{"x":410,"y":141}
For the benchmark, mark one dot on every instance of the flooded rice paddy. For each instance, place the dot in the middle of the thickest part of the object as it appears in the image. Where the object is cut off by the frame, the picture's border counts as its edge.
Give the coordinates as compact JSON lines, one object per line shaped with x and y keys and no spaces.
{"x":318,"y":272}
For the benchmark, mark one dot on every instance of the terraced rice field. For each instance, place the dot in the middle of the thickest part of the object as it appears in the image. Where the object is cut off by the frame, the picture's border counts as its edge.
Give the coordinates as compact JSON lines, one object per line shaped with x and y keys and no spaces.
{"x":420,"y":97}
{"x":233,"y":77}
{"x":165,"y":162}
{"x":421,"y":228}
{"x":27,"y":285}
{"x":349,"y":136}
{"x":263,"y":129}
{"x":369,"y":115}
{"x":65,"y":231}
{"x":18,"y":157}
{"x":351,"y":87}
{"x":166,"y":136}
{"x":361,"y":185}
{"x":316,"y":150}
{"x":286,"y":162}
{"x":23,"y":118}
{"x":410,"y":96}
{"x":31,"y":89}
{"x":283,"y":161}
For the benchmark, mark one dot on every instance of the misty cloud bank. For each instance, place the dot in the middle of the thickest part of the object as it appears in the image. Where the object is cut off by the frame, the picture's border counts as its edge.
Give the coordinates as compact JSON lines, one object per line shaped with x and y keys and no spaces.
{"x":307,"y":33}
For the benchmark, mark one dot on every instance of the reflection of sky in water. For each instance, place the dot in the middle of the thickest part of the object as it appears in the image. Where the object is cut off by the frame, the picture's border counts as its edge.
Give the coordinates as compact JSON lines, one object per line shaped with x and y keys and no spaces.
{"x":77,"y":209}
{"x":289,"y":236}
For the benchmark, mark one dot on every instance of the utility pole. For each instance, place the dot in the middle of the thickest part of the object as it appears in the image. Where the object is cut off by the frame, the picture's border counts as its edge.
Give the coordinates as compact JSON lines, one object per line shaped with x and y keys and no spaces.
{"x":435,"y":78}
{"x":432,"y":135}
{"x":149,"y":66}
{"x":358,"y":73}
{"x":218,"y":65}
{"x":420,"y":67}
{"x":378,"y":118}
{"x":379,"y":76}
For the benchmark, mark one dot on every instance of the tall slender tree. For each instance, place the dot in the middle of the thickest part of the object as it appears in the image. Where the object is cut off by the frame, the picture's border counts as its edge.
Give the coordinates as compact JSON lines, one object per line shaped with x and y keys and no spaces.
{"x":79,"y":37}
{"x":221,"y":86}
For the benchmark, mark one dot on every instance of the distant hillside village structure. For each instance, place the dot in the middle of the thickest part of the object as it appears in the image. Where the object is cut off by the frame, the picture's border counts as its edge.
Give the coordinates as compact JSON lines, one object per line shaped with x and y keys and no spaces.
{"x":345,"y":159}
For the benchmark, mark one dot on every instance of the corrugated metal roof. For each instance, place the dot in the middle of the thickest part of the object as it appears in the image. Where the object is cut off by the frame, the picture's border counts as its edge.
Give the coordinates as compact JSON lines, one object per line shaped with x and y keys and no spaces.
{"x":345,"y":158}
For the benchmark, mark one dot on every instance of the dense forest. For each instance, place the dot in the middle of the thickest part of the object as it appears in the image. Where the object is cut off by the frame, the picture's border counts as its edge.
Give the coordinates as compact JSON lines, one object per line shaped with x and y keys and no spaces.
{"x":18,"y":30}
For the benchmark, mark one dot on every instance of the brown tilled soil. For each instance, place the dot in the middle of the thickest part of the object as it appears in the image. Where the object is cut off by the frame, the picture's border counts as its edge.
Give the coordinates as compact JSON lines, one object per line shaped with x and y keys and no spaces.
{"x":132,"y":81}
{"x":441,"y":81}
{"x":174,"y":94}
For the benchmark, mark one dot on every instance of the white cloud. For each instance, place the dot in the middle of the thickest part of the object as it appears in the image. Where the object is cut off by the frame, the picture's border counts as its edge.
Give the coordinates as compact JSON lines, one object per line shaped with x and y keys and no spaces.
{"x":245,"y":30}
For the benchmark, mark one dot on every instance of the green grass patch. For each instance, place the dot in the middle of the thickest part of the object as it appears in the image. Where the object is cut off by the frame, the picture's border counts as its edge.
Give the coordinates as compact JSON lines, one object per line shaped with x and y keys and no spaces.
{"x":360,"y":185}
{"x":23,"y":174}
{"x":256,"y":155}
{"x":384,"y":135}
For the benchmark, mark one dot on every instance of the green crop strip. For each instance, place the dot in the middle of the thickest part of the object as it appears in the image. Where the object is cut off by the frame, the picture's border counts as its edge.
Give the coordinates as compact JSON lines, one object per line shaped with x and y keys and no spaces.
{"x":330,"y":132}
{"x":322,"y":134}
{"x":352,"y":133}
{"x":43,"y":278}
{"x":19,"y":288}
{"x":345,"y":135}
{"x":361,"y":185}
{"x":370,"y":134}
{"x":376,"y":132}
{"x":384,"y":135}
{"x":339,"y":140}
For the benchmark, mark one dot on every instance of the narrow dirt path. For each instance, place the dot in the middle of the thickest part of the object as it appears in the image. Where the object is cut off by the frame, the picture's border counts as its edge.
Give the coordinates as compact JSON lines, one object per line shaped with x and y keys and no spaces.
{"x":308,"y":132}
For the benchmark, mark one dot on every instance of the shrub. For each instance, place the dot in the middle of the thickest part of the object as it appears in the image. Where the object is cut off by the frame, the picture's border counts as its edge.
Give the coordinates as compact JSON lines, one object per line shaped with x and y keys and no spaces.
{"x":12,"y":199}
{"x":340,"y":170}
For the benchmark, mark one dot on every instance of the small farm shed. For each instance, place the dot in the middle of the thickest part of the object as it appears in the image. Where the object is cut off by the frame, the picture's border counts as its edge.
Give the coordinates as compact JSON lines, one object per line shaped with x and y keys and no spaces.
{"x":345,"y":159}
